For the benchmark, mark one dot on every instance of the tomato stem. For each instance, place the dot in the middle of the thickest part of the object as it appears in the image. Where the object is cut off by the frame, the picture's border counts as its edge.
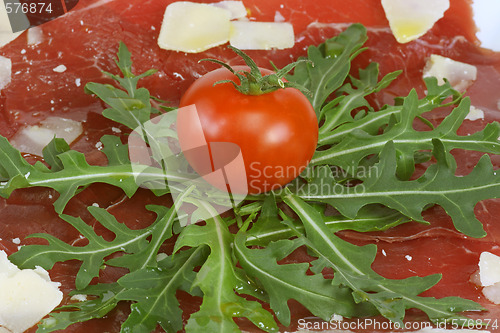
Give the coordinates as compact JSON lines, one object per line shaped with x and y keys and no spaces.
{"x":252,"y":82}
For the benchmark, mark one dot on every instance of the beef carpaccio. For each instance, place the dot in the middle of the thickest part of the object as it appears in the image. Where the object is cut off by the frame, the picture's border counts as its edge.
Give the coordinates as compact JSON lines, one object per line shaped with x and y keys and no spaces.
{"x":85,"y":41}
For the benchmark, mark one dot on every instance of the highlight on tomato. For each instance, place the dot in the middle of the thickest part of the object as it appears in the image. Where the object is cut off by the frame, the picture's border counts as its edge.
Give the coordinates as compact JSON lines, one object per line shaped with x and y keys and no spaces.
{"x":270,"y":120}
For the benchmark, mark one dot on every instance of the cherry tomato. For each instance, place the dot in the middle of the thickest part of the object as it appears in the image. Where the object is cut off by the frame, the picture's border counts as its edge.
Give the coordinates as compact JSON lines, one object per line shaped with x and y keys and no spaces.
{"x":277,"y":132}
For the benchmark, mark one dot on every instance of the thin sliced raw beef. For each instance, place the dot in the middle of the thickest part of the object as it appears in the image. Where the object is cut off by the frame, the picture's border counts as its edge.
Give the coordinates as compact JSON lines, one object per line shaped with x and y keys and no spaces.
{"x":85,"y":41}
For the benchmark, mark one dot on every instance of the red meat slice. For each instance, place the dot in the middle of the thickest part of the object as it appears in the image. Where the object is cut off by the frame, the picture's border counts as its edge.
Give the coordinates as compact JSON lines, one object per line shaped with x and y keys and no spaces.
{"x":86,"y":40}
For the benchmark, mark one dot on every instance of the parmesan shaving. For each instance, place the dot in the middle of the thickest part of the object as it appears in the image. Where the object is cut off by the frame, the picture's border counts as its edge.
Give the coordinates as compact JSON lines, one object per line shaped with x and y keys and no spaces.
{"x":489,"y":276}
{"x":32,"y":139}
{"x":459,"y":74}
{"x":193,"y":27}
{"x":26,"y":296}
{"x":35,"y":36}
{"x":410,"y":19}
{"x":489,"y":269}
{"x":262,"y":35}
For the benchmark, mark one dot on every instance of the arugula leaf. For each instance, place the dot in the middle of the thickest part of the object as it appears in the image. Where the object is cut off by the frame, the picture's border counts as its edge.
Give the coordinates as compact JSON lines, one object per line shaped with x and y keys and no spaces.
{"x":130,"y":107}
{"x":438,"y":185}
{"x":52,"y":150}
{"x":329,"y":65}
{"x":270,"y":226}
{"x":218,"y":279}
{"x":94,"y":253}
{"x":102,"y":302}
{"x":407,"y":141}
{"x":154,"y":291}
{"x":140,"y":246}
{"x":353,"y":96}
{"x":372,"y":122}
{"x":352,"y":266}
{"x":71,"y":171}
{"x":290,"y":281}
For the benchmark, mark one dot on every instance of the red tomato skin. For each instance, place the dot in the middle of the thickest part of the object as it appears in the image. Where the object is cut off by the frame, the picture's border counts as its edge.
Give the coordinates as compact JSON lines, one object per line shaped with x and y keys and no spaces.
{"x":277,"y":132}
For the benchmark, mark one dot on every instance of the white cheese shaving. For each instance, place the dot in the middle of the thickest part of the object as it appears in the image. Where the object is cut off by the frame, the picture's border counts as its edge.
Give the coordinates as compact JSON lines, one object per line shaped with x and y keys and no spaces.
{"x":489,"y":276}
{"x":492,"y":293}
{"x":32,"y":139}
{"x":410,"y":19}
{"x":262,"y":35}
{"x":26,"y":296}
{"x":5,"y":72}
{"x":35,"y":36}
{"x":236,"y":8}
{"x":475,"y":114}
{"x":489,"y":269}
{"x":193,"y":27}
{"x":459,"y":74}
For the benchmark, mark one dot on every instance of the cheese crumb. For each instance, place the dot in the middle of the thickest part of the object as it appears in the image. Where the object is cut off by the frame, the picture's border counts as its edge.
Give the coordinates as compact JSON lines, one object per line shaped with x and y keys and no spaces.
{"x":475,"y":114}
{"x":262,"y":35}
{"x":236,"y":8}
{"x":60,"y":69}
{"x":337,"y":317}
{"x":160,"y":256}
{"x":278,"y":17}
{"x":79,"y":298}
{"x":411,"y":19}
{"x":16,"y":241}
{"x":193,"y":27}
{"x":459,"y":74}
{"x":26,"y":296}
